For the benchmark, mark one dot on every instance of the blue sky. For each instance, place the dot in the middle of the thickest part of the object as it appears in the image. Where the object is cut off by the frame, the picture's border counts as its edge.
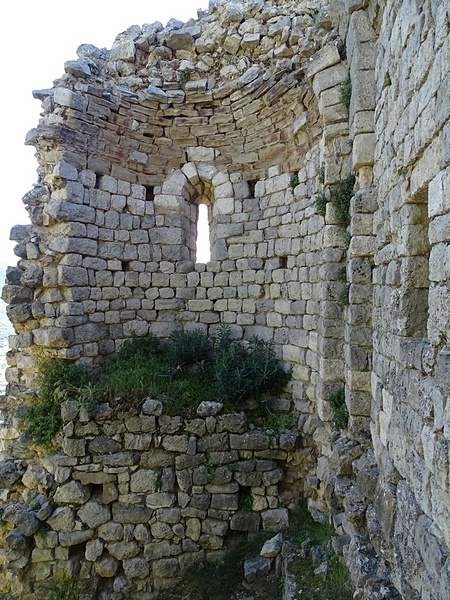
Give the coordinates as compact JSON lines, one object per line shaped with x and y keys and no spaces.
{"x":37,"y":38}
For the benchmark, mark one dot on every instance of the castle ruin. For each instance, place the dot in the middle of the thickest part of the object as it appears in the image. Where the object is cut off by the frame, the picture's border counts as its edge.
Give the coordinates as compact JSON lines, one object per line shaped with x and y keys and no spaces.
{"x":264,"y":112}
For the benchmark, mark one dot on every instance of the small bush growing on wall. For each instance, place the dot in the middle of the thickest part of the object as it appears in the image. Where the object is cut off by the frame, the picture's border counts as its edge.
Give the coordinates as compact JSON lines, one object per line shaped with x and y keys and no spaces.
{"x":58,"y":380}
{"x":340,"y":196}
{"x":339,"y":408}
{"x":321,"y":204}
{"x":239,"y":373}
{"x":65,"y":588}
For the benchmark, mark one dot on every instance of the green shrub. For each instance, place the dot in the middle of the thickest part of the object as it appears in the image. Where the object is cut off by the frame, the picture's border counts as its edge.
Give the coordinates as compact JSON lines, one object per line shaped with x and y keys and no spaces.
{"x":344,"y":295}
{"x":294,"y":181}
{"x":65,"y":588}
{"x":58,"y":381}
{"x":342,"y":49}
{"x":188,"y":347}
{"x":321,"y":204}
{"x":321,"y":175}
{"x":339,"y":408}
{"x":336,"y":582}
{"x":342,"y":275}
{"x":240,"y":374}
{"x":182,"y":373}
{"x":340,"y":196}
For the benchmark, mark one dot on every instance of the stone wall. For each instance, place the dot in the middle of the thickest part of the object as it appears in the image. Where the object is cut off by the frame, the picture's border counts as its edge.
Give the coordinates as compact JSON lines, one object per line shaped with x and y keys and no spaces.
{"x":243,"y":110}
{"x":137,"y":498}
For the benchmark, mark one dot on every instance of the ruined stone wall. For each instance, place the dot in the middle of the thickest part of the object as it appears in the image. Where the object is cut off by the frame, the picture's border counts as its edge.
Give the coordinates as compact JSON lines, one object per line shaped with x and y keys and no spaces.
{"x":243,"y":110}
{"x":137,"y":498}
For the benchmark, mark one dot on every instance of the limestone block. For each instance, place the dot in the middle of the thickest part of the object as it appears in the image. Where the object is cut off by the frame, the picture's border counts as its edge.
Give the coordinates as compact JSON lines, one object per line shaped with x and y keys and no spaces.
{"x":214,"y":527}
{"x":65,"y":170}
{"x":72,"y":493}
{"x":136,"y":568}
{"x":439,"y":230}
{"x":66,"y":211}
{"x":54,"y":337}
{"x":438,"y":202}
{"x":25,"y":520}
{"x":62,"y":519}
{"x":363,"y":92}
{"x":363,"y":150}
{"x":106,"y":566}
{"x":129,"y":514}
{"x":94,"y":514}
{"x":74,"y":245}
{"x":330,"y":77}
{"x":255,"y":440}
{"x":65,"y":97}
{"x":94,"y":549}
{"x":244,"y":521}
{"x":75,"y":538}
{"x":124,"y":50}
{"x":250,"y":41}
{"x":326,"y":57}
{"x":138,"y":157}
{"x":257,"y":567}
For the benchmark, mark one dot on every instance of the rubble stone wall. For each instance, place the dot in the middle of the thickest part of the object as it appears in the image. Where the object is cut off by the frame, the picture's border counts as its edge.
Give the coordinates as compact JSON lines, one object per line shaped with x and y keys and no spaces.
{"x":259,"y":110}
{"x":137,"y":498}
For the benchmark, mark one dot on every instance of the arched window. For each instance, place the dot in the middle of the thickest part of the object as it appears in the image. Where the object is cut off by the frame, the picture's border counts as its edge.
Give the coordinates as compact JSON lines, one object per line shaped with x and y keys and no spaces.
{"x":203,"y":250}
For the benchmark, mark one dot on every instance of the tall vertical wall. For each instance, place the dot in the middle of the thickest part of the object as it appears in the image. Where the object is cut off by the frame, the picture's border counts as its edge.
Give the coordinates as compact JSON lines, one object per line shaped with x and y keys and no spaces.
{"x":243,"y":111}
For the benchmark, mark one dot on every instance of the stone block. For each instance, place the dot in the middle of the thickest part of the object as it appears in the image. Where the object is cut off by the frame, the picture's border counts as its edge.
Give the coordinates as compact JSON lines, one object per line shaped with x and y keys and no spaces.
{"x":330,"y":77}
{"x":131,"y":514}
{"x":66,"y":97}
{"x":363,"y":150}
{"x":326,"y":57}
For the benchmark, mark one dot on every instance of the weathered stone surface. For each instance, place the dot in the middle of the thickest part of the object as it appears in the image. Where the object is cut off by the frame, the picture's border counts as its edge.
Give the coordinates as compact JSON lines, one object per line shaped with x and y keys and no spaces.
{"x":275,"y":520}
{"x":94,"y":514}
{"x":131,"y":514}
{"x":10,"y":472}
{"x":74,"y":538}
{"x":25,"y":520}
{"x":72,"y":493}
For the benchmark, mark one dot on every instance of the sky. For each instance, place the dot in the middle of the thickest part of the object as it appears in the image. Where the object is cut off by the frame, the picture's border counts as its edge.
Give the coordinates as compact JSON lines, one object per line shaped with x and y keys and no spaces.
{"x":38,"y":37}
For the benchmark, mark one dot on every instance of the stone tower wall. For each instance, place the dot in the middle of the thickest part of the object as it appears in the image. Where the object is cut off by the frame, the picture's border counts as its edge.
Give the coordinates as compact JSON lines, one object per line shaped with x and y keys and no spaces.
{"x":243,"y":111}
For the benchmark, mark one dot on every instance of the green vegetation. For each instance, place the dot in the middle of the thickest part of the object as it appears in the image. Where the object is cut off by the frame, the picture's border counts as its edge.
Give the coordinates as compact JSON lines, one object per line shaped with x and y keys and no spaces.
{"x":221,"y":580}
{"x":65,"y":588}
{"x":187,"y":369}
{"x":342,"y":49}
{"x":182,"y":79}
{"x":294,"y":181}
{"x":238,"y":373}
{"x":246,"y":503}
{"x":346,"y":91}
{"x":342,"y":275}
{"x":321,"y":175}
{"x":339,"y":408}
{"x":304,"y":532}
{"x":321,"y":204}
{"x":210,"y":468}
{"x":58,"y":380}
{"x":344,"y":295}
{"x":340,"y":196}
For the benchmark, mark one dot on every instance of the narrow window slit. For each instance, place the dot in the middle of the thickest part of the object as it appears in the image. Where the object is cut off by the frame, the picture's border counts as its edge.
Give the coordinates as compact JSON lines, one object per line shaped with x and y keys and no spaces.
{"x":203,"y":235}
